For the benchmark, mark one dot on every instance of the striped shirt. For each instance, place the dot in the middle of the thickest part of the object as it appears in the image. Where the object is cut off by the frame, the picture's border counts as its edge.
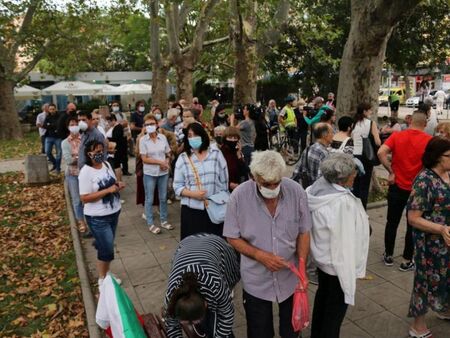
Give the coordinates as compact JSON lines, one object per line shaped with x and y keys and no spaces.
{"x":216,"y":265}
{"x":213,"y":173}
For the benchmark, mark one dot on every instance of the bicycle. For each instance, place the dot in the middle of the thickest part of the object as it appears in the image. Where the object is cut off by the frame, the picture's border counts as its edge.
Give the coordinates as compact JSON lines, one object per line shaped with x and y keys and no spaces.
{"x":286,"y":144}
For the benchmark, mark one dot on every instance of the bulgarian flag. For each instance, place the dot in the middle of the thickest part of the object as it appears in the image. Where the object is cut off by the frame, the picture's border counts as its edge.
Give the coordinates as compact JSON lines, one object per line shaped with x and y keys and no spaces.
{"x":116,"y":311}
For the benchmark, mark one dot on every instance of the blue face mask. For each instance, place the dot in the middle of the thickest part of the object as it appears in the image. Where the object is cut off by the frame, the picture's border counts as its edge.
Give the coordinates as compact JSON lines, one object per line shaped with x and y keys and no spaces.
{"x":195,"y":142}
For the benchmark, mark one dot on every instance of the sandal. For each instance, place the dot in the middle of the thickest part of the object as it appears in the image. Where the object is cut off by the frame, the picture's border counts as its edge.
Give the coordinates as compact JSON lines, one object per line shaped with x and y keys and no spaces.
{"x":82,"y":227}
{"x":154,"y":229}
{"x":414,"y":334}
{"x":167,"y":226}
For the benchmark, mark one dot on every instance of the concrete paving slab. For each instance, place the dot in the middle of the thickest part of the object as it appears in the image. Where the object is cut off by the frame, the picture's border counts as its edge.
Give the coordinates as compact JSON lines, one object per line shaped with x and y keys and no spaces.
{"x":143,"y":263}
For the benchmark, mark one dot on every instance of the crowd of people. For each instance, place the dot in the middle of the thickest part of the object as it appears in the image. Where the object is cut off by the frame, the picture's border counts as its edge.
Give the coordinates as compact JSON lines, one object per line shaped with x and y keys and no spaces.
{"x":241,"y":218}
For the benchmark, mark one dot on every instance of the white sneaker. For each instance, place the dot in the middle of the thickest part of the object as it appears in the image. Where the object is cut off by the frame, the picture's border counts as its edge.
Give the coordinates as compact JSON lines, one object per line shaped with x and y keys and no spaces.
{"x":122,"y":201}
{"x":144,"y":217}
{"x":169,"y":201}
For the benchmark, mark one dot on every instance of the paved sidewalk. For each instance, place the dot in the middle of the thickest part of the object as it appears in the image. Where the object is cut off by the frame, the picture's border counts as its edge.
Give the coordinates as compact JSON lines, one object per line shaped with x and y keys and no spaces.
{"x":12,"y":165}
{"x":143,"y":262}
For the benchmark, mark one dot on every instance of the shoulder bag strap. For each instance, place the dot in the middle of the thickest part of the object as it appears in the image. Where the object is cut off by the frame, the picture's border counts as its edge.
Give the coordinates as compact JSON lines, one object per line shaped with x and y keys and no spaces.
{"x":197,"y":177}
{"x":344,"y":143}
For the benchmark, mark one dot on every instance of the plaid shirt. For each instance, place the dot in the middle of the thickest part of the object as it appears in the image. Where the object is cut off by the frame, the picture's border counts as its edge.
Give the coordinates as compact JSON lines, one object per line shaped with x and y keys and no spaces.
{"x":316,"y":154}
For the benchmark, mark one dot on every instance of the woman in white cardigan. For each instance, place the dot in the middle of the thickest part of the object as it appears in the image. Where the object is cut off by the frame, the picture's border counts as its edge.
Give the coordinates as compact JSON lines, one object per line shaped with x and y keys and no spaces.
{"x":339,"y":243}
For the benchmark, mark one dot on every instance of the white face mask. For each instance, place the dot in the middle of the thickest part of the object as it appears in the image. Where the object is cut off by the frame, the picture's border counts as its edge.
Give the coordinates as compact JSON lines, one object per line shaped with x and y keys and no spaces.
{"x":270,"y":193}
{"x":115,"y":109}
{"x":141,"y":109}
{"x":150,"y":129}
{"x":158,"y":117}
{"x":83,"y":125}
{"x":74,"y":129}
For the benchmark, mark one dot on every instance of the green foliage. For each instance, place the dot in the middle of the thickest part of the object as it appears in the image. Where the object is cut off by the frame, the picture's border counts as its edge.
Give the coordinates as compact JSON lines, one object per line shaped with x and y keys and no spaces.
{"x":422,"y":39}
{"x":114,"y":39}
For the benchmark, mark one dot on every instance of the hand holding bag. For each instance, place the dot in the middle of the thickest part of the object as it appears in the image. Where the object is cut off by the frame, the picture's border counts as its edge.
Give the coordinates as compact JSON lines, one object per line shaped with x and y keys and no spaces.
{"x":300,"y":304}
{"x":215,"y":205}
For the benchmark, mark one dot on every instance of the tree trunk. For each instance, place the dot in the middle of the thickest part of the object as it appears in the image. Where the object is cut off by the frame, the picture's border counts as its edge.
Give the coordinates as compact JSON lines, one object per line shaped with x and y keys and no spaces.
{"x":244,"y":73}
{"x":372,"y":22}
{"x":243,"y":30}
{"x":159,"y":86}
{"x":247,"y":49}
{"x":10,"y":128}
{"x":184,"y":81}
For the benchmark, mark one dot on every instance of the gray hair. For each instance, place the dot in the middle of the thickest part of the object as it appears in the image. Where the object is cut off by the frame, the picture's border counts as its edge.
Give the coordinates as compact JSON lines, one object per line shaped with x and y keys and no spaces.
{"x":218,"y":129}
{"x":172,"y":112}
{"x":268,"y":165}
{"x":321,"y":130}
{"x":337,"y":167}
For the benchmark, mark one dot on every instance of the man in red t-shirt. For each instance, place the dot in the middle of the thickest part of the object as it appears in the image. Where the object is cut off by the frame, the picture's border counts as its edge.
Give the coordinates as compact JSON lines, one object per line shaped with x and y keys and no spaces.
{"x":406,"y":148}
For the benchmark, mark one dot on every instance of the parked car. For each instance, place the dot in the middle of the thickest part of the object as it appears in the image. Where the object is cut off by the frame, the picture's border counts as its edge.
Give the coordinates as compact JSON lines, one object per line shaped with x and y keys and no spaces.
{"x":413,"y":101}
{"x":383,"y":98}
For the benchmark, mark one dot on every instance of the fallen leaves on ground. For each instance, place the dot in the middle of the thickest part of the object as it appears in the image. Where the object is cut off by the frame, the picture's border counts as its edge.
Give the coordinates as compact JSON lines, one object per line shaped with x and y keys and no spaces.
{"x":13,"y":149}
{"x":40,"y":294}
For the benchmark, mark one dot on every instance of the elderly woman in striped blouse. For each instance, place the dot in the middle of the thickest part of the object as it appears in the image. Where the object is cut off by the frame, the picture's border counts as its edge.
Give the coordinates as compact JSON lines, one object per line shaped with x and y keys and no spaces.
{"x":205,"y":270}
{"x":201,"y":171}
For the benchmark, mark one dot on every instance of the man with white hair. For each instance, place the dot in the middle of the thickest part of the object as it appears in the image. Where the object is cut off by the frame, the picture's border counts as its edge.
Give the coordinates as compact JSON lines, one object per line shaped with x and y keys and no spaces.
{"x":171,"y":120}
{"x":268,"y":222}
{"x":40,"y":119}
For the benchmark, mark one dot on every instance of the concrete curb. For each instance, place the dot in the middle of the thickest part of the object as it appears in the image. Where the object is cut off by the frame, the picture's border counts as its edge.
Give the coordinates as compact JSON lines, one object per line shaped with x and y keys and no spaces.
{"x":88,"y":297}
{"x":376,"y":205}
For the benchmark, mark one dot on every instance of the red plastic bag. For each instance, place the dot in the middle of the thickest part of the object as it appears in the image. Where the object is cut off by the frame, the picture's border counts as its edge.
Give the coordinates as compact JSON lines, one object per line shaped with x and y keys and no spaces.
{"x":300,"y":304}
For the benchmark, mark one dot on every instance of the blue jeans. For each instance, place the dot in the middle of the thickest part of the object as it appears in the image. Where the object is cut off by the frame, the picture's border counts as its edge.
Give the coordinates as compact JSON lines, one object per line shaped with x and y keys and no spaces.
{"x":104,"y":230}
{"x":72,"y":184}
{"x":49,"y":143}
{"x":247,"y":152}
{"x":150,"y":182}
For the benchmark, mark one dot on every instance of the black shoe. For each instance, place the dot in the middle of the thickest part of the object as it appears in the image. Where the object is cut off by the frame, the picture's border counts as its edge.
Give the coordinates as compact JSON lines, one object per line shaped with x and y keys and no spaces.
{"x":407,"y":266}
{"x":53,"y":168}
{"x":388,"y":260}
{"x":127,"y":174}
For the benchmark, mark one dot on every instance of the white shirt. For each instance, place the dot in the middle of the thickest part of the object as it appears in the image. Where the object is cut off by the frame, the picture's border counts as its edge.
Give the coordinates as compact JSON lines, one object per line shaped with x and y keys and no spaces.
{"x":440,"y":96}
{"x":40,"y":119}
{"x":361,"y":129}
{"x":339,"y":236}
{"x":102,"y":130}
{"x":155,"y":149}
{"x":92,"y":180}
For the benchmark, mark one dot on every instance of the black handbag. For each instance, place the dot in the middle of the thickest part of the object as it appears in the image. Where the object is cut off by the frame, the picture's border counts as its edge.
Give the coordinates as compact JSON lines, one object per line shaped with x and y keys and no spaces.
{"x":370,"y":149}
{"x":306,"y":182}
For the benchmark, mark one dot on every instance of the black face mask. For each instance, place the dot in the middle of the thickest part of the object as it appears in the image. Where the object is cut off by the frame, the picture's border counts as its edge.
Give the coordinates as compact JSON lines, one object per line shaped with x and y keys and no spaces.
{"x":219,"y":139}
{"x":231,"y":144}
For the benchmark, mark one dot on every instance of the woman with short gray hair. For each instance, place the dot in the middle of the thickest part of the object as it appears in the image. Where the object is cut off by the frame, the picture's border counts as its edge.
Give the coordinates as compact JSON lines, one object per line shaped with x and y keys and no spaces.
{"x":339,"y":242}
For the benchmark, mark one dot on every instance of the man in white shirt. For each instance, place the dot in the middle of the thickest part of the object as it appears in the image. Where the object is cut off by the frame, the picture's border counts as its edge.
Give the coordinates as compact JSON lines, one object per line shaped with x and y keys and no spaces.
{"x":440,"y":99}
{"x":40,"y":123}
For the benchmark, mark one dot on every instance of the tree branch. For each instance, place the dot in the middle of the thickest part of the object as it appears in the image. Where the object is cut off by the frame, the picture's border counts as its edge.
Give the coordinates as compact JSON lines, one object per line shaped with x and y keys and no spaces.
{"x":172,"y":33}
{"x":183,"y":14}
{"x":28,"y":18}
{"x":202,"y":26}
{"x":29,"y":67}
{"x":207,"y":43}
{"x":272,"y":34}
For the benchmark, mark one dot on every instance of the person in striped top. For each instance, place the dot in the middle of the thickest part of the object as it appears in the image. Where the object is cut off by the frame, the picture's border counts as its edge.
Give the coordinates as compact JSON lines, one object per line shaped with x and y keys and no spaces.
{"x":201,"y":171}
{"x":205,"y":270}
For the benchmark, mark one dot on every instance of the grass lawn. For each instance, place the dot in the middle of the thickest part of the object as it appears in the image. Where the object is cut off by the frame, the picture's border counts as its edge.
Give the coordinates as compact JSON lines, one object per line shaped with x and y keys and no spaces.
{"x":13,"y":149}
{"x":40,"y":294}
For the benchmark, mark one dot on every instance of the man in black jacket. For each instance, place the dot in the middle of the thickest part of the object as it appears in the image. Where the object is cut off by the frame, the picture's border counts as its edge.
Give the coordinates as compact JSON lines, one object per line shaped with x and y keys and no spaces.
{"x":71,"y":111}
{"x":52,"y":138}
